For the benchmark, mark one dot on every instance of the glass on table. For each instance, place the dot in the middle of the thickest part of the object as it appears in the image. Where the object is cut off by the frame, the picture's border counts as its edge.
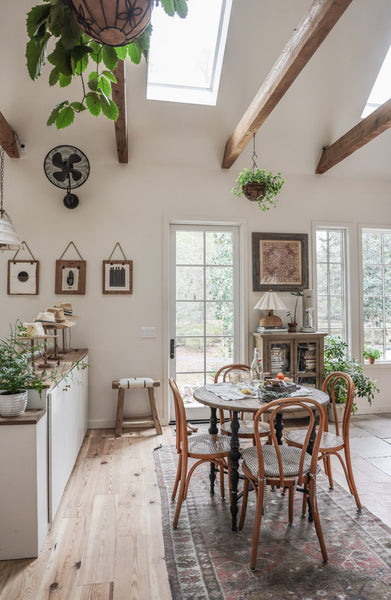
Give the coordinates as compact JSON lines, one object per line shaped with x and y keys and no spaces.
{"x":234,"y":377}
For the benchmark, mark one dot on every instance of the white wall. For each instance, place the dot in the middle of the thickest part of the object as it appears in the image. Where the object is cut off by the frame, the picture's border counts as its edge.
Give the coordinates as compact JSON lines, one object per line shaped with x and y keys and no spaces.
{"x":173,"y":173}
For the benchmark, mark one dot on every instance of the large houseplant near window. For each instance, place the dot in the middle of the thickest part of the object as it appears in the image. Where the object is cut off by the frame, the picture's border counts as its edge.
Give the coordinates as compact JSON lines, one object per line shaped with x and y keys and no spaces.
{"x":16,"y":374}
{"x":75,"y":51}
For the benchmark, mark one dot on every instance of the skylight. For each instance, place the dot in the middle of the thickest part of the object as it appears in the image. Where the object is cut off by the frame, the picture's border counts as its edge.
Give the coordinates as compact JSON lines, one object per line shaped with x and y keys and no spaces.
{"x":381,"y":90}
{"x":186,"y":55}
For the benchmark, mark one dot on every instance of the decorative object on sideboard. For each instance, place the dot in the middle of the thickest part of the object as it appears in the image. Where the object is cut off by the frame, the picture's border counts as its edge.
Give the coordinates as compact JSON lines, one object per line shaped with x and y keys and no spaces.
{"x":67,"y":167}
{"x":117,"y":274}
{"x":270,"y":301}
{"x":70,"y":274}
{"x":258,"y":185}
{"x":23,"y":275}
{"x":8,"y":238}
{"x":280,"y":261}
{"x":308,"y":312}
{"x":292,"y":324}
{"x":16,"y":374}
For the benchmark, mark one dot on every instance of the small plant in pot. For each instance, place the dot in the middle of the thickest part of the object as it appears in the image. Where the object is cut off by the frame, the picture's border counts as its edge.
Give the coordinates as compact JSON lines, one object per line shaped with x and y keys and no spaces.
{"x":259,"y":185}
{"x":292,"y":324}
{"x":371,"y":354}
{"x":16,"y":374}
{"x":336,"y":358}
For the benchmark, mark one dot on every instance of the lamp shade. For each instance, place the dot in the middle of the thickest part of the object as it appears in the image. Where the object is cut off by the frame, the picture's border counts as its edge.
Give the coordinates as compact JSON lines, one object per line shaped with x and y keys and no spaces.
{"x":8,"y":238}
{"x":270,"y":301}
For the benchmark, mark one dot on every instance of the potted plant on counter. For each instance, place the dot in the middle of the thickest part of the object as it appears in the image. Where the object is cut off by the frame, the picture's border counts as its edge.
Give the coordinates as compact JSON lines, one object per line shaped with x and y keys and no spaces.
{"x":336,"y":358}
{"x":292,"y":324}
{"x":371,"y":354}
{"x":16,"y":374}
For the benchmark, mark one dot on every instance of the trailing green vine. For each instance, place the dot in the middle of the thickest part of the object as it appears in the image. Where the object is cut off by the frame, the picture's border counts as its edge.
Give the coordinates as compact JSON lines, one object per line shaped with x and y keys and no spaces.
{"x":74,"y":52}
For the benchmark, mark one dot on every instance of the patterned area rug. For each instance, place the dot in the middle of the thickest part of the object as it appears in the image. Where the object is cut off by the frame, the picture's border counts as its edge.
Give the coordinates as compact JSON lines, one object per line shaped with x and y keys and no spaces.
{"x":207,"y":561}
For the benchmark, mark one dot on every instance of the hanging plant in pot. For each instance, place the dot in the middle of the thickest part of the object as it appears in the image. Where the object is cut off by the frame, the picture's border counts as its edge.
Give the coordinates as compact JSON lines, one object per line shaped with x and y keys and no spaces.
{"x":259,"y":185}
{"x":16,"y":374}
{"x":88,"y":33}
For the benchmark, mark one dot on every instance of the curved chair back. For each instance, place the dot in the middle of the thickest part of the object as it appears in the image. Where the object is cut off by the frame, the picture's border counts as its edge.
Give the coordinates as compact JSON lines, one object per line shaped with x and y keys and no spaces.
{"x":223,"y":371}
{"x":180,"y":418}
{"x":307,"y":404}
{"x":330,"y":386}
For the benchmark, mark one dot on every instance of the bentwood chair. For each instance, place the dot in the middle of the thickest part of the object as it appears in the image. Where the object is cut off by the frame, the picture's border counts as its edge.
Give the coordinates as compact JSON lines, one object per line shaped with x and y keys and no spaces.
{"x":334,"y":443}
{"x":282,"y":466}
{"x":246,"y":426}
{"x":205,"y":448}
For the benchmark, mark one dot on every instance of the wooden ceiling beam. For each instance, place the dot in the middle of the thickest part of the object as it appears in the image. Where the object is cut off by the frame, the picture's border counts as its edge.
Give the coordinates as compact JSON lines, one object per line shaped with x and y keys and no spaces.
{"x":362,"y":133}
{"x":318,"y":21}
{"x":8,"y":138}
{"x":121,"y":125}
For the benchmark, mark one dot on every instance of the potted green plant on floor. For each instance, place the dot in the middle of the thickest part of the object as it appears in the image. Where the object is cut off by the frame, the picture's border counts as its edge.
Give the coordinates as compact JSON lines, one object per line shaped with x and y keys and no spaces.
{"x":371,"y":354}
{"x":337,"y":358}
{"x":16,"y":374}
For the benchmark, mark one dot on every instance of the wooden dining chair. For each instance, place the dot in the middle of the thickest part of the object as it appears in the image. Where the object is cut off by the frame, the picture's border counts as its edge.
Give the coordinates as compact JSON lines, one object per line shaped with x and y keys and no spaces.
{"x":283,"y":466}
{"x":246,"y":425}
{"x":205,"y":448}
{"x":334,"y":444}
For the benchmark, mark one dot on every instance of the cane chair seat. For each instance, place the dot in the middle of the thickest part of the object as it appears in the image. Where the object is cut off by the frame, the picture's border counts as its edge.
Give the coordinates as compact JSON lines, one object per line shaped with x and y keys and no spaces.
{"x":328,"y":440}
{"x":207,"y":444}
{"x":290,"y":457}
{"x":246,"y":428}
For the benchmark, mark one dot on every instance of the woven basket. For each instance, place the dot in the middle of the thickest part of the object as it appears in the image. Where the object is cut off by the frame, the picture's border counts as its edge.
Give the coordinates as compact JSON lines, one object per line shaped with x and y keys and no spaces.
{"x":254,"y":191}
{"x":12,"y":405}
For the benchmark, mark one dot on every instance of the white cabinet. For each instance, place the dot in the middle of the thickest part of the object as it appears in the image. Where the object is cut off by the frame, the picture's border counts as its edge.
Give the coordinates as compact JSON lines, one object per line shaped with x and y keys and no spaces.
{"x":67,"y":409}
{"x":24,"y":485}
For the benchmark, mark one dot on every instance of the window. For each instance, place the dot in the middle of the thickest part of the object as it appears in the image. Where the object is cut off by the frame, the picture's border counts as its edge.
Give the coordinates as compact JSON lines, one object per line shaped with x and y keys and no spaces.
{"x":381,"y":90}
{"x":376,"y":292}
{"x":331,"y":280}
{"x":186,"y":55}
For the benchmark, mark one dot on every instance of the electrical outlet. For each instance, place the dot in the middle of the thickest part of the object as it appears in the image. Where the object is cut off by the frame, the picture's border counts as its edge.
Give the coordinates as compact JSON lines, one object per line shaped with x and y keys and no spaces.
{"x":148,"y":332}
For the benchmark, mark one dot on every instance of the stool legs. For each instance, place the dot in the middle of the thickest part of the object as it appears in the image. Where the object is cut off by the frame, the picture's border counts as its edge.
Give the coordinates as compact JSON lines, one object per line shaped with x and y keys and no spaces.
{"x":155,"y":417}
{"x":151,"y":420}
{"x":120,"y":412}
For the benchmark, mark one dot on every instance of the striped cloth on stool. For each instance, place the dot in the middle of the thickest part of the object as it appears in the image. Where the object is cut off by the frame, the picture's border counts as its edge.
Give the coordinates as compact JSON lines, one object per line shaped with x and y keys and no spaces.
{"x":135,"y":382}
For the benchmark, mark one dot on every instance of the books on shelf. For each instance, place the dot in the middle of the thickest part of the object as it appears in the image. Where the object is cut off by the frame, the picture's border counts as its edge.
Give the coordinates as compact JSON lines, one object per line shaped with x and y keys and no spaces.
{"x":280,"y":329}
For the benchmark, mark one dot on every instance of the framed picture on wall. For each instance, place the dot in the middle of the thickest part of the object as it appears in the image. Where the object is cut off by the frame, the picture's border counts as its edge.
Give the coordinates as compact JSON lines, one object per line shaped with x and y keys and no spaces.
{"x":280,"y":261}
{"x":23,"y":277}
{"x":117,"y":276}
{"x":70,"y":277}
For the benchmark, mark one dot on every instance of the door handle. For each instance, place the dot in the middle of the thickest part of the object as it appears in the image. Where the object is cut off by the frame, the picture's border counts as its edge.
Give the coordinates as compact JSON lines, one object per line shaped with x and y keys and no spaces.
{"x":173,"y":345}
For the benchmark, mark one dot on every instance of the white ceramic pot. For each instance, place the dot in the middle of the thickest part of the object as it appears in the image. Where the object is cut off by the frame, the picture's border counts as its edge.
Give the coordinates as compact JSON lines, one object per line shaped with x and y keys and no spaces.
{"x":12,"y":405}
{"x":340,"y":411}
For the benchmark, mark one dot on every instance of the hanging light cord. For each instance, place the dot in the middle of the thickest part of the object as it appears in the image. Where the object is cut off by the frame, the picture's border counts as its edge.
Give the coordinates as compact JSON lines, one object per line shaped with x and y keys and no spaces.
{"x":1,"y":181}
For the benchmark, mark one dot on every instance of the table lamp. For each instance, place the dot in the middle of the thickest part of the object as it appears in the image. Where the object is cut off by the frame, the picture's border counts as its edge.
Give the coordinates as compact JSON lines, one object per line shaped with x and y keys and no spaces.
{"x":270,"y":301}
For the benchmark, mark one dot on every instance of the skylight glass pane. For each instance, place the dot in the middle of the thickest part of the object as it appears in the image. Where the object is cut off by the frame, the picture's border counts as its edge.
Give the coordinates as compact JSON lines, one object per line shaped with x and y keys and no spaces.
{"x":381,"y":90}
{"x":186,"y":54}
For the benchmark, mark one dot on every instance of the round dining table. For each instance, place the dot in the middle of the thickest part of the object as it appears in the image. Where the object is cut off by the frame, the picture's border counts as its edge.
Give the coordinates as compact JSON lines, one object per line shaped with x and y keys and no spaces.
{"x":208,"y":395}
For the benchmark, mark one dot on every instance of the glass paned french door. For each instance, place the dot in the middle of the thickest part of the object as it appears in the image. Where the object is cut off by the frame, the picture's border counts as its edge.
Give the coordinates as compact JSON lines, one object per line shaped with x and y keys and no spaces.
{"x":204,"y":306}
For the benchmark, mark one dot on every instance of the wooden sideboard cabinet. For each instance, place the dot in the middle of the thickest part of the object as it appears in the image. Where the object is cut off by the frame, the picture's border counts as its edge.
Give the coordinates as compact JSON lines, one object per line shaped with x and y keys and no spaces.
{"x":297,"y":355}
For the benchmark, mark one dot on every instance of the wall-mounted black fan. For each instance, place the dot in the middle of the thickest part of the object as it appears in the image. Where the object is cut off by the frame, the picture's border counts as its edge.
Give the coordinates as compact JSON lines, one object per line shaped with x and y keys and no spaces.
{"x":67,"y":167}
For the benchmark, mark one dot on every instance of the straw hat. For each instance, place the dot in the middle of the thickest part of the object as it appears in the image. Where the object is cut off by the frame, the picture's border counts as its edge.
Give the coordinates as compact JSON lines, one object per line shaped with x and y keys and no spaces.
{"x":68,"y":310}
{"x":45,"y":317}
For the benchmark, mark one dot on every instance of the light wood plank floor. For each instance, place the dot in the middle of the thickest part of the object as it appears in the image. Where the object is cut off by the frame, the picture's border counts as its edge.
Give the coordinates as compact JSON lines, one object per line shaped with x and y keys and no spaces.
{"x":106,"y":541}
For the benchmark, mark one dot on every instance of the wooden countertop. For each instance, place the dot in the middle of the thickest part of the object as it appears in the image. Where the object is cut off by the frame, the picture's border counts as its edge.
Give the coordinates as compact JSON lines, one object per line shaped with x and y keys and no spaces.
{"x":57,"y":372}
{"x":29,"y":417}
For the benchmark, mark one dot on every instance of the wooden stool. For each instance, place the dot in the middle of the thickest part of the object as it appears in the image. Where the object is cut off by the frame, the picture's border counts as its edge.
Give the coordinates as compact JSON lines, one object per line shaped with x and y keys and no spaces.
{"x":151,"y":420}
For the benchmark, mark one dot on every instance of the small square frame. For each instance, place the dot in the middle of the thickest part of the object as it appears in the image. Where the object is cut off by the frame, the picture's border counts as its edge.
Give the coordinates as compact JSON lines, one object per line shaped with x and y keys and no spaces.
{"x":23,"y":277}
{"x":117,"y":277}
{"x":70,"y":277}
{"x":280,"y":261}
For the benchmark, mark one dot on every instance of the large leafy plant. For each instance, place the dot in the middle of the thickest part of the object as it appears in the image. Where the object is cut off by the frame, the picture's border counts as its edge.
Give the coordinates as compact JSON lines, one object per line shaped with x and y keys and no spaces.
{"x":272,"y":183}
{"x":74,"y":52}
{"x":336,"y":358}
{"x":16,"y":371}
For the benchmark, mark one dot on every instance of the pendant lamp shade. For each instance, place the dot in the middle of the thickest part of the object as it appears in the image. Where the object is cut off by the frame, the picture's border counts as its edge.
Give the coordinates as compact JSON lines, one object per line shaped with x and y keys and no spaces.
{"x":270,"y":301}
{"x":8,"y":238}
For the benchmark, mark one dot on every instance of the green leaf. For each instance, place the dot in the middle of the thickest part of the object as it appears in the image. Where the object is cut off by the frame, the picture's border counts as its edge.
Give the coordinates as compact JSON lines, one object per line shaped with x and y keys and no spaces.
{"x":110,"y":57}
{"x":134,"y":53}
{"x":110,"y":76}
{"x":54,"y":76}
{"x":52,"y":117}
{"x":105,"y":86}
{"x":97,"y":51}
{"x":81,"y":66}
{"x":61,"y":59}
{"x":65,"y":117}
{"x":78,"y":106}
{"x":121,"y":52}
{"x":79,"y":51}
{"x":169,"y":7}
{"x":93,"y":84}
{"x":110,"y":109}
{"x":36,"y":56}
{"x":181,"y":8}
{"x":93,"y":102}
{"x":70,"y":31}
{"x":36,"y":17}
{"x":64,"y":80}
{"x":93,"y":75}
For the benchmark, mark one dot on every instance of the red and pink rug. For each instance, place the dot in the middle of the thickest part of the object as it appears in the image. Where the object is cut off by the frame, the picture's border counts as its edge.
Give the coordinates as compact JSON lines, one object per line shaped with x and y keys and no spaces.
{"x":207,"y":561}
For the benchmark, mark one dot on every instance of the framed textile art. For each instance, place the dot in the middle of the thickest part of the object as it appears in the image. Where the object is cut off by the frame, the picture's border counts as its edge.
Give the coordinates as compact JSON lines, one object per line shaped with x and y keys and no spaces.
{"x":280,"y":261}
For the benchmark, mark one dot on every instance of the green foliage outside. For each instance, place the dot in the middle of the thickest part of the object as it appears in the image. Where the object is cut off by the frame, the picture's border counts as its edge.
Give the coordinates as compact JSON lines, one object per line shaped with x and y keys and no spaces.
{"x":272,"y":183}
{"x":74,"y":52}
{"x":336,"y":358}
